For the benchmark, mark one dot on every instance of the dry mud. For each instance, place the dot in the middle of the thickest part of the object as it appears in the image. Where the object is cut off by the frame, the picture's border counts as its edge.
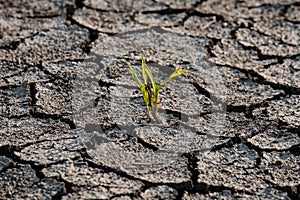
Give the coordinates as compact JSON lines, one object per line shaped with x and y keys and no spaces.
{"x":73,"y":124}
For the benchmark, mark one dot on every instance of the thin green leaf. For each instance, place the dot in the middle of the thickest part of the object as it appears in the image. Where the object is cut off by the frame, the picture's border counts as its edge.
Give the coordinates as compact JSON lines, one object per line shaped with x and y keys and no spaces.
{"x":151,"y":77}
{"x":145,"y":94}
{"x":143,"y":71}
{"x":154,"y":86}
{"x":135,"y":78}
{"x":174,"y":74}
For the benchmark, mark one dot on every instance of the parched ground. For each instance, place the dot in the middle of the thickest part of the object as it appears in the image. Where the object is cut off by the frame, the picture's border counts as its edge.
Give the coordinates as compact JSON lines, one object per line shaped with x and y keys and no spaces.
{"x":241,"y":55}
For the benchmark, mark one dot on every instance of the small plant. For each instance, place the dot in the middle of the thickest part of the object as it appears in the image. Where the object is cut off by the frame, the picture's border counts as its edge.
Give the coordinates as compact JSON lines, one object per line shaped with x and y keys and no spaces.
{"x":150,"y":92}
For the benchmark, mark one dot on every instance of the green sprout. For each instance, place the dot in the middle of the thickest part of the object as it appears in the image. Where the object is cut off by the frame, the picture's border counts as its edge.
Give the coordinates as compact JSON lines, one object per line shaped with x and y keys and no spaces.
{"x":150,"y":92}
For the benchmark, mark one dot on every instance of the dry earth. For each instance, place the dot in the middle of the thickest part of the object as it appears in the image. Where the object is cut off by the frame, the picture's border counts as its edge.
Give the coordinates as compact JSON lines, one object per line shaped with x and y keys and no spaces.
{"x":231,"y":123}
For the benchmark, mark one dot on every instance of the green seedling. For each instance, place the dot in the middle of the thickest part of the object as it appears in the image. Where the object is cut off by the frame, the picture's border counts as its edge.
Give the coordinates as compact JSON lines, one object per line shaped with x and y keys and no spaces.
{"x":149,"y":91}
